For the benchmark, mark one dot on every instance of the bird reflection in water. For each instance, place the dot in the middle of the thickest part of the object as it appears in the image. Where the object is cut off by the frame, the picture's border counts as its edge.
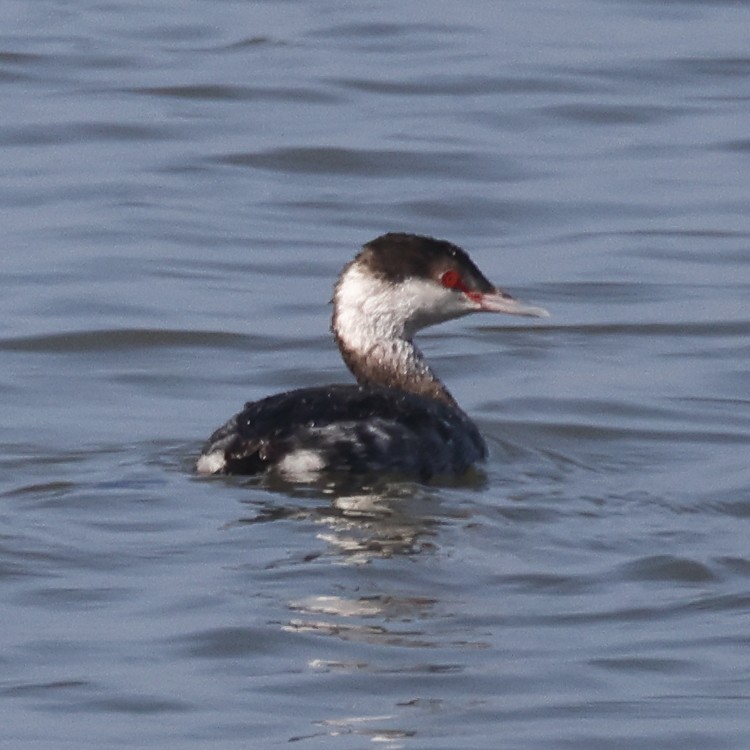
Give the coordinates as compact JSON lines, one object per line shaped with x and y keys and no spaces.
{"x":357,"y":529}
{"x":363,"y":526}
{"x":379,"y":621}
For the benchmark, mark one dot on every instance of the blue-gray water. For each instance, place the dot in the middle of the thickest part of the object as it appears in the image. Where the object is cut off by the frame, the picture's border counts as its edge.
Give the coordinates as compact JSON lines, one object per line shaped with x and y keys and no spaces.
{"x":181,"y":182}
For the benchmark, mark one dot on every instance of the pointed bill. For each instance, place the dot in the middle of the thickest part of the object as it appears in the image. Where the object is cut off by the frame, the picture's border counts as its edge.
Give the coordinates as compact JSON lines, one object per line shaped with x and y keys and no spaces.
{"x":501,"y":302}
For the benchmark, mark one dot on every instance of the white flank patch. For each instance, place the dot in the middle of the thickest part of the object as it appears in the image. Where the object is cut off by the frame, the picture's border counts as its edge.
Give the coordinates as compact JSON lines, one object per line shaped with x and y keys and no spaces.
{"x":210,"y":463}
{"x":302,"y":465}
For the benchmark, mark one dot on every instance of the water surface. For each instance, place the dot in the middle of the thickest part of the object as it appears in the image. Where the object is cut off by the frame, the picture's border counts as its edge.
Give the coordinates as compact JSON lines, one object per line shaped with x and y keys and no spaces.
{"x":182,"y":183}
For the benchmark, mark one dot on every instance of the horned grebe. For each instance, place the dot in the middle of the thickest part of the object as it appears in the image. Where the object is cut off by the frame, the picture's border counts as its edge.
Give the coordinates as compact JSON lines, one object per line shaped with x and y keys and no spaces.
{"x":399,"y":417}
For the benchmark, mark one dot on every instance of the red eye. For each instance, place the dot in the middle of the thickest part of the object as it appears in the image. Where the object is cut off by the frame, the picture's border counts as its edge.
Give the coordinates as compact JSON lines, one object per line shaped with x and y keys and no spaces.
{"x":451,"y":279}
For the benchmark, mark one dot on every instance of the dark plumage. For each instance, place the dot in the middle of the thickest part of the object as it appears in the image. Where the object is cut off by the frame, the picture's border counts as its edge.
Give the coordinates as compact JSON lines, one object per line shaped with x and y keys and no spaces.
{"x":355,"y":429}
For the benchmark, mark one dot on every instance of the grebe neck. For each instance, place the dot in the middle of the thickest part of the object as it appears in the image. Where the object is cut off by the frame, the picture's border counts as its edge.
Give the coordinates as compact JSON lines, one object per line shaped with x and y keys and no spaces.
{"x":373,"y":324}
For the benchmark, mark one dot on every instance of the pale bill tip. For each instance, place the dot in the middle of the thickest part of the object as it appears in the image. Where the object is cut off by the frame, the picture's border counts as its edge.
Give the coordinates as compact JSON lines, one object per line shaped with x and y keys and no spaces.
{"x":503,"y":303}
{"x":536,"y":312}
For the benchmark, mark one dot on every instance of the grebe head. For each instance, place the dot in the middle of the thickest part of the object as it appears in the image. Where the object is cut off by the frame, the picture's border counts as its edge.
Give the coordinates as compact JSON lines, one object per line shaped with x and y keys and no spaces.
{"x":400,"y":283}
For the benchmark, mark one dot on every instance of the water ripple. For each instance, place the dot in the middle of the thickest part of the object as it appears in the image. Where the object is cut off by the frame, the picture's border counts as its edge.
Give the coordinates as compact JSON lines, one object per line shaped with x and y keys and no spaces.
{"x":134,"y":338}
{"x":220,"y":92}
{"x":378,"y":163}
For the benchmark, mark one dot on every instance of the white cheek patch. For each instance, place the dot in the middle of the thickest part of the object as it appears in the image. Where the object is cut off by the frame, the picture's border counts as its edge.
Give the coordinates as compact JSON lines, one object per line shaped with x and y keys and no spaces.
{"x":370,"y":309}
